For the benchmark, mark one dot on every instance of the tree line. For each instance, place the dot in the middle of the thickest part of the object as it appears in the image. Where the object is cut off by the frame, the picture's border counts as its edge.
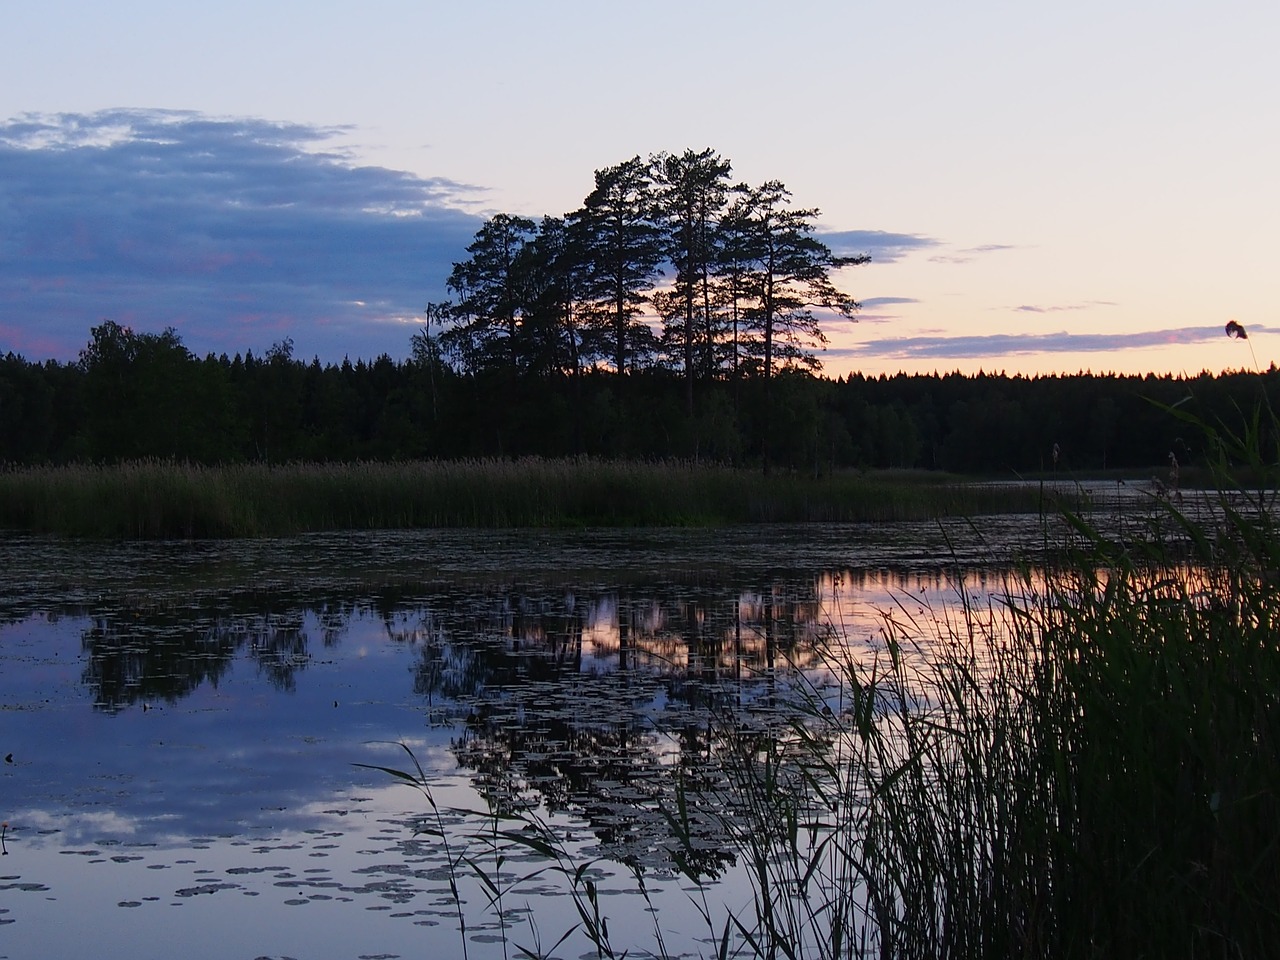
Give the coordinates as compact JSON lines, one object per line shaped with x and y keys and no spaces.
{"x":731,"y":272}
{"x":674,"y":314}
{"x":136,"y":395}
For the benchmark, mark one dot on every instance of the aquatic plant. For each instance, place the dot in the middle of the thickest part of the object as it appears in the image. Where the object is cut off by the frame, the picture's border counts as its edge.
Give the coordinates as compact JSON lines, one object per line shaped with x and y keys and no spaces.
{"x":1085,"y":766}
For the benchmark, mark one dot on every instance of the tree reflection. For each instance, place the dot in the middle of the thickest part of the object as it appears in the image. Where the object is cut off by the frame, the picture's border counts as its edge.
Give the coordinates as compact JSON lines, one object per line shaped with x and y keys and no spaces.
{"x":626,"y":707}
{"x":279,"y":647}
{"x":624,"y":711}
{"x":148,"y":655}
{"x":162,"y":658}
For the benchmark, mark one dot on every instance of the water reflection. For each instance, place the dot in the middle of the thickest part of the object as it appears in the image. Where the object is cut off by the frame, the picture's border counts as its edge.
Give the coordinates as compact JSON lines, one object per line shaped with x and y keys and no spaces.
{"x":592,"y":701}
{"x":224,"y":691}
{"x":151,"y":661}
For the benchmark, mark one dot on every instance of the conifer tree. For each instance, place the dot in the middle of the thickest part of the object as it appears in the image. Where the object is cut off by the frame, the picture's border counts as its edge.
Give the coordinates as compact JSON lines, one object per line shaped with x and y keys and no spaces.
{"x":622,"y":250}
{"x":786,"y":274}
{"x":491,"y":291}
{"x":693,"y":189}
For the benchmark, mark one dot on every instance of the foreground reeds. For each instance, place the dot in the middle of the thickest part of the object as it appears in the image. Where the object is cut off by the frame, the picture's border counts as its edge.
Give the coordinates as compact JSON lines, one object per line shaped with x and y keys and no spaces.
{"x":1086,"y":767}
{"x":155,"y":499}
{"x":1090,"y":770}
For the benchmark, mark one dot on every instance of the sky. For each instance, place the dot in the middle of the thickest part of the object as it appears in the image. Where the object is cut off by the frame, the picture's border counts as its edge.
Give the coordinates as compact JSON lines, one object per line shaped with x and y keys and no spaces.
{"x":1042,"y":188}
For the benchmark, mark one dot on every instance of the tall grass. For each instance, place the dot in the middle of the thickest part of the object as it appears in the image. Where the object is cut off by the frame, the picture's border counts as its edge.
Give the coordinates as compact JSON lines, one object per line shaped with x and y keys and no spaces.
{"x":1087,"y":767}
{"x":154,"y":498}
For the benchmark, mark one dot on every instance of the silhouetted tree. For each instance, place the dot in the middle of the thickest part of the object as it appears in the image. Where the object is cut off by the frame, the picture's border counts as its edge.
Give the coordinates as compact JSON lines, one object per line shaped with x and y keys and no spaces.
{"x":424,"y":348}
{"x":693,"y":189}
{"x":621,"y":249}
{"x":491,"y":287}
{"x":787,"y":273}
{"x":147,"y":396}
{"x":27,"y":412}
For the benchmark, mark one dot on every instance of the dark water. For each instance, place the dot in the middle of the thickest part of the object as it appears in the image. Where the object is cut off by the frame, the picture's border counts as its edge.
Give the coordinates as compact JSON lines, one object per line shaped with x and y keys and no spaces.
{"x":184,"y":723}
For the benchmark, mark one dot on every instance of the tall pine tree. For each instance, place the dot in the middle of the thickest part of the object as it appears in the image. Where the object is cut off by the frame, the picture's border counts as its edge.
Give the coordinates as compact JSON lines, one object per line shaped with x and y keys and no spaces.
{"x":693,"y":188}
{"x":622,"y":251}
{"x":786,"y":273}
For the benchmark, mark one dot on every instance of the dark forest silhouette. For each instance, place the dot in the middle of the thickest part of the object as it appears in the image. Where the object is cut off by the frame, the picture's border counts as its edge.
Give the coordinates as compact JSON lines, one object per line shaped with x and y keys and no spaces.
{"x":674,"y":315}
{"x":133,"y":395}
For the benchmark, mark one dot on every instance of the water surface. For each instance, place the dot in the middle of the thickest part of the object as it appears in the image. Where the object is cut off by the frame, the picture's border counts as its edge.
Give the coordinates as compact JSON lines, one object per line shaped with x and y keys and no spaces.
{"x":186,"y":721}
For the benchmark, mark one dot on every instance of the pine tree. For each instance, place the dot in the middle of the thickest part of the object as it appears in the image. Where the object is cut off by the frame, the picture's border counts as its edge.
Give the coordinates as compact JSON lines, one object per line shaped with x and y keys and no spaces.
{"x":693,"y":188}
{"x":622,"y":250}
{"x":786,"y":272}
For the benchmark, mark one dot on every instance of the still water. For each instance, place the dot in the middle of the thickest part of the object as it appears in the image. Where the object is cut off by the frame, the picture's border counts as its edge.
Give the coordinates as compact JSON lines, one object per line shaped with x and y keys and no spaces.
{"x":183,"y":724}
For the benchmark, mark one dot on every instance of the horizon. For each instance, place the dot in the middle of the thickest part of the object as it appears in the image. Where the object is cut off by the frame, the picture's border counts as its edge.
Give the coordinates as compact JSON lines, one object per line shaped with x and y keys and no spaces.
{"x":936,"y":373}
{"x":1041,"y":192}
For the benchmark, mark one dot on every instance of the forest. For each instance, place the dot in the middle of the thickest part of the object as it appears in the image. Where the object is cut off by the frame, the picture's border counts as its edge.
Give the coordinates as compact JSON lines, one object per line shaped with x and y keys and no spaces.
{"x":140,"y":395}
{"x":676,"y":315}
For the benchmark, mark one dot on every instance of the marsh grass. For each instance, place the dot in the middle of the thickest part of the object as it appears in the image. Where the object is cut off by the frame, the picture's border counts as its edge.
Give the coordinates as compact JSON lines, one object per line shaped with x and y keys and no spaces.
{"x":1086,"y":766}
{"x":166,"y":499}
{"x":1096,"y":777}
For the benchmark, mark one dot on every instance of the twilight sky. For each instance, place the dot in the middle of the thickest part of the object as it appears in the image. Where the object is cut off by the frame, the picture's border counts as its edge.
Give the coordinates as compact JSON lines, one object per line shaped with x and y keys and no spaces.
{"x":1041,"y":187}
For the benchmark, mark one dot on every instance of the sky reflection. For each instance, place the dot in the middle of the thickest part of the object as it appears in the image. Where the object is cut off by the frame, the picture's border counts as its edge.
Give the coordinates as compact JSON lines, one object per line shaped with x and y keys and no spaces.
{"x":186,"y":721}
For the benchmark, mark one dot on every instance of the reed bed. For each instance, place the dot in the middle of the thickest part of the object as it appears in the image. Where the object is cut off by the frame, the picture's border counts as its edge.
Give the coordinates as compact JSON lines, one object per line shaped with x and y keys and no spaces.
{"x":1086,"y":766}
{"x":166,"y":499}
{"x":1089,"y":768}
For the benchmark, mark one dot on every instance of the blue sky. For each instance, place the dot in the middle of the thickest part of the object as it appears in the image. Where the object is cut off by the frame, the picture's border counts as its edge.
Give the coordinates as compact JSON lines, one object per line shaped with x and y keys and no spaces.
{"x":1041,"y":187}
{"x":235,"y":232}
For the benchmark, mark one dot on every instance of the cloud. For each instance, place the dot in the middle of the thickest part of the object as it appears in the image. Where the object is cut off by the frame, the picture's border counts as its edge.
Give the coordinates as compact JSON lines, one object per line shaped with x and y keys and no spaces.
{"x":1061,"y":308}
{"x":874,"y":310}
{"x":882,"y":246}
{"x":237,"y":232}
{"x":1003,"y":345}
{"x":871,"y":303}
{"x":969,"y":254}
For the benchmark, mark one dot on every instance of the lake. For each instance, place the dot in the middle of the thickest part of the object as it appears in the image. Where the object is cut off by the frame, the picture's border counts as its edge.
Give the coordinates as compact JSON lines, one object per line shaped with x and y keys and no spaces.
{"x":185,"y":725}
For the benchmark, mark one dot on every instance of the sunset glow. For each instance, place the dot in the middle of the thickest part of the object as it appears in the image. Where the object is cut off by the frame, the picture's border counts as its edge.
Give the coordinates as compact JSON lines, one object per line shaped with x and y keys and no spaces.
{"x":1040,"y":190}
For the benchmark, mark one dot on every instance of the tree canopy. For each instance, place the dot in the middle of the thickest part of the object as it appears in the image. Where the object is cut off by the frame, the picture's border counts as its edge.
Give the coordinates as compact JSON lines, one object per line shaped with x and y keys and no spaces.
{"x":667,"y":264}
{"x":134,"y":395}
